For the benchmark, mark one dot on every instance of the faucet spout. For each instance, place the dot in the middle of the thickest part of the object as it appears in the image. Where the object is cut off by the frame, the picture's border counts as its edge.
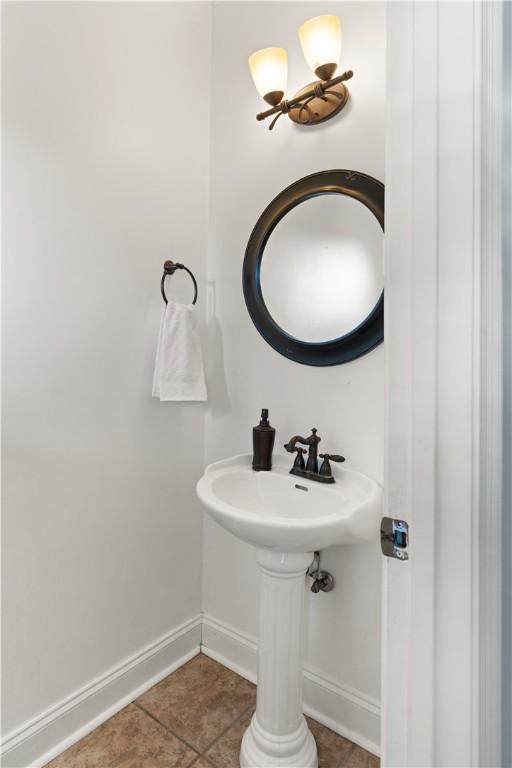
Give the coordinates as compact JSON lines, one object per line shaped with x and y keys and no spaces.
{"x":312,"y":441}
{"x":290,"y":445}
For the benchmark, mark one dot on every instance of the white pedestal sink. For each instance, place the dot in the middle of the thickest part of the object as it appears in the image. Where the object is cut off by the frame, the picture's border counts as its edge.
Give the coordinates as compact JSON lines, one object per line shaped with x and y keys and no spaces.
{"x":287,"y":518}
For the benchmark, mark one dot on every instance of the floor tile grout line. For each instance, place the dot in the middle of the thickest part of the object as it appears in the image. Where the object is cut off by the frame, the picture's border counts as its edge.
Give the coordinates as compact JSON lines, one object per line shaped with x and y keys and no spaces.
{"x":197,"y":759}
{"x":199,"y":753}
{"x":231,"y":725}
{"x":201,"y":757}
{"x":184,"y":741}
{"x":194,"y":761}
{"x":219,"y":737}
{"x":166,"y":727}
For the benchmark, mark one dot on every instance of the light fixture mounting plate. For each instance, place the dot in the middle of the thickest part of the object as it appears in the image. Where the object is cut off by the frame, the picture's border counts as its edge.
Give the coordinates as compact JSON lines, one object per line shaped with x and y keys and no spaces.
{"x":318,"y":109}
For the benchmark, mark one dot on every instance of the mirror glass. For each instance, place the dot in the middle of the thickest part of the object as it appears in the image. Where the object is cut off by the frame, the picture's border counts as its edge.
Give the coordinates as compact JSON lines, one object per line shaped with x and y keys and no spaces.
{"x":322,"y":268}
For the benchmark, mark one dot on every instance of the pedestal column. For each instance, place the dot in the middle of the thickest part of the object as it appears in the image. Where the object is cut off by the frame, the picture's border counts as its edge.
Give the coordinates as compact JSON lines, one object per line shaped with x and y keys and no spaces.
{"x":278,"y":734}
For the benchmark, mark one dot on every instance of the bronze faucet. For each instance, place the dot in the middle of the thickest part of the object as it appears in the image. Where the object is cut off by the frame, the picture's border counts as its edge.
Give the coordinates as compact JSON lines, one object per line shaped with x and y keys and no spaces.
{"x":311,"y":470}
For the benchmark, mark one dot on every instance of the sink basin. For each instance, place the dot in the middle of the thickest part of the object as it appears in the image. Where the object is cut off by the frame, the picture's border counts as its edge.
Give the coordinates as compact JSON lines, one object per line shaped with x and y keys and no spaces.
{"x":287,"y":518}
{"x":283,"y":512}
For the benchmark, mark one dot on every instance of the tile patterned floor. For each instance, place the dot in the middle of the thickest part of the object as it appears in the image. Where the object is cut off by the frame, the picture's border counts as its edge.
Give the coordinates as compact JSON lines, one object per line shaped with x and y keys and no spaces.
{"x":194,"y":717}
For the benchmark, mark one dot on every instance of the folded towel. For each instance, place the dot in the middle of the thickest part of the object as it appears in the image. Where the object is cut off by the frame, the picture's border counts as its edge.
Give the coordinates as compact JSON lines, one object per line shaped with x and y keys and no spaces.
{"x":179,"y":373}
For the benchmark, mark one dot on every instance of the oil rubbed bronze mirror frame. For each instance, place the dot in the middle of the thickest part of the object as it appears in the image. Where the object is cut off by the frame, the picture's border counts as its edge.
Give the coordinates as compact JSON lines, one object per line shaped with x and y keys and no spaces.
{"x":368,"y":191}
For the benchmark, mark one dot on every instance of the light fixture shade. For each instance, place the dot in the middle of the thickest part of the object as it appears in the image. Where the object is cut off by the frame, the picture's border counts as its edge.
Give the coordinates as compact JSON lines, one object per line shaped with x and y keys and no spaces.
{"x":269,"y":70}
{"x":320,"y":39}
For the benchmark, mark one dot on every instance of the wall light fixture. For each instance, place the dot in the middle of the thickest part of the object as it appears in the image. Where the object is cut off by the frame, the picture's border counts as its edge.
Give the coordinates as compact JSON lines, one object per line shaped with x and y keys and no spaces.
{"x":320,"y":39}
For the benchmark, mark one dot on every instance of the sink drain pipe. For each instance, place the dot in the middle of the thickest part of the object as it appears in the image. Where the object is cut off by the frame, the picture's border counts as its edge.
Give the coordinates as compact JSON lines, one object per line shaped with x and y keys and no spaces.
{"x":323,"y":581}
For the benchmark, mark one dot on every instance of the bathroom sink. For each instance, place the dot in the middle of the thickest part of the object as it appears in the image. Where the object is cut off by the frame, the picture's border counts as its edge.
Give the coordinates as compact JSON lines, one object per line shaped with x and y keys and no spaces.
{"x":287,"y":518}
{"x":279,"y":511}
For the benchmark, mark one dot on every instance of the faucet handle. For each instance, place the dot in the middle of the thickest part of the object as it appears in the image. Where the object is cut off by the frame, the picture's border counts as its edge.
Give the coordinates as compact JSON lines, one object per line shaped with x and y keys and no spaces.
{"x":299,"y":459}
{"x":325,"y":469}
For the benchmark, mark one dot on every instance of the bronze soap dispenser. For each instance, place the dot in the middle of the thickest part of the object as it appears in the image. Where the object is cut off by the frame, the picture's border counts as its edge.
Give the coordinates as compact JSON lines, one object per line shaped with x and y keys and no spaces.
{"x":263,"y":437}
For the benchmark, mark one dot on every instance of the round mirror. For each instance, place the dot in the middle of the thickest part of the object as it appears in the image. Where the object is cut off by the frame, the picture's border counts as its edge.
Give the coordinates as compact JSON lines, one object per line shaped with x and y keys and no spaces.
{"x":313,"y":269}
{"x":321,"y":271}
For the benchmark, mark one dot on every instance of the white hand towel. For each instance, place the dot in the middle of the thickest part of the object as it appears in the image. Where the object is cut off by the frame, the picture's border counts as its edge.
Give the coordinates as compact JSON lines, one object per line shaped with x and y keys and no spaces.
{"x":179,"y":372}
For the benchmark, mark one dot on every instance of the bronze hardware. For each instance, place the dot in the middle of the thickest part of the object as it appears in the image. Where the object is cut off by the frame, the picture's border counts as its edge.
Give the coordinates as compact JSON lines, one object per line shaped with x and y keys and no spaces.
{"x":170,"y":267}
{"x":314,"y":103}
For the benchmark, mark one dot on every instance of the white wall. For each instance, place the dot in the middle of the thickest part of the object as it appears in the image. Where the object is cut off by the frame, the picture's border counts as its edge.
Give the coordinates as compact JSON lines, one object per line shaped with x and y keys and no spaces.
{"x":249,"y":166}
{"x":105,"y":174}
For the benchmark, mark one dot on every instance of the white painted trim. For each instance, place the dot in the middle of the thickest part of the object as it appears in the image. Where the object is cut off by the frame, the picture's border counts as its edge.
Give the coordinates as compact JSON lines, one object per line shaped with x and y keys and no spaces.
{"x":235,"y":650}
{"x":488,"y":536}
{"x":411,"y":185}
{"x":441,"y":609}
{"x":506,"y":547}
{"x":344,"y":710}
{"x":39,"y":740}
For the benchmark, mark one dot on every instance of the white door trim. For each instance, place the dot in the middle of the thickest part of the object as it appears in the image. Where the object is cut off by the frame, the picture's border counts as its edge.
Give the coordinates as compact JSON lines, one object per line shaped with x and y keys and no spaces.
{"x":441,"y":612}
{"x":506,"y":718}
{"x":489,"y":535}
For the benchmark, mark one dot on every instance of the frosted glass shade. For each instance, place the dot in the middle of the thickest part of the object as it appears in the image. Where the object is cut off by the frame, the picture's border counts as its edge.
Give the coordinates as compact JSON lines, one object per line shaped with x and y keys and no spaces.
{"x":269,"y":70}
{"x":320,"y":39}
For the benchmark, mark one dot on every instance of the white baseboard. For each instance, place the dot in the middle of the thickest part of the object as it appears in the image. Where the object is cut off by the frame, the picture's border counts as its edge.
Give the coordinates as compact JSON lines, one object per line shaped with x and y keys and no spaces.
{"x":344,"y":710}
{"x":44,"y":737}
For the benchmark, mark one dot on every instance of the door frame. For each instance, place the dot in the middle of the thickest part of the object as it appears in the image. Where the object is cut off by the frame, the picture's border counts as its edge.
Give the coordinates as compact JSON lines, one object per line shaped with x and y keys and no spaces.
{"x":441,"y":631}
